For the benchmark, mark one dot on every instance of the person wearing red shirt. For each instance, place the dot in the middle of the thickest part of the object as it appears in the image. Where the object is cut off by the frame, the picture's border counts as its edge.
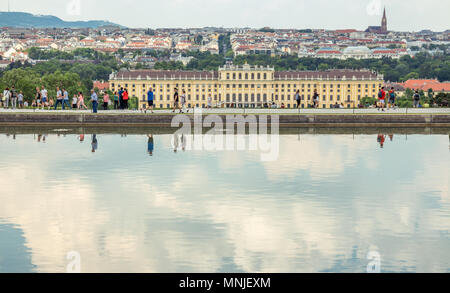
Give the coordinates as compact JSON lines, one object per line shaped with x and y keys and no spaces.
{"x":125,"y":99}
{"x":381,"y":98}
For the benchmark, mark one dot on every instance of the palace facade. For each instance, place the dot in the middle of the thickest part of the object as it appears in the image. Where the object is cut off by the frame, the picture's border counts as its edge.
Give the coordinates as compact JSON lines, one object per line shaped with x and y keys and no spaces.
{"x":250,"y":86}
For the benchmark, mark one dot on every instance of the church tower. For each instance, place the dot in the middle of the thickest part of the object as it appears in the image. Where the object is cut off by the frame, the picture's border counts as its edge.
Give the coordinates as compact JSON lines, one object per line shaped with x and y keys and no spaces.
{"x":384,"y":23}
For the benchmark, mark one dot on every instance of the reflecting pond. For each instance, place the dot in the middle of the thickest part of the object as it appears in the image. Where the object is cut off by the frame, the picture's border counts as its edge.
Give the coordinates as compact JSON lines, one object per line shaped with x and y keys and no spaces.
{"x":132,"y":200}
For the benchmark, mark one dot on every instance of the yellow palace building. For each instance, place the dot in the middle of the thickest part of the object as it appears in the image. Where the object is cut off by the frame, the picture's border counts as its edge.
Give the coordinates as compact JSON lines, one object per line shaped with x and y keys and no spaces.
{"x":250,"y":86}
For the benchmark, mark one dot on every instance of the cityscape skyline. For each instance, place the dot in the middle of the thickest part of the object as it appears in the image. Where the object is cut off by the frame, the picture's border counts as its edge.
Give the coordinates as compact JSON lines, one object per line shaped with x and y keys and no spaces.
{"x":285,"y":14}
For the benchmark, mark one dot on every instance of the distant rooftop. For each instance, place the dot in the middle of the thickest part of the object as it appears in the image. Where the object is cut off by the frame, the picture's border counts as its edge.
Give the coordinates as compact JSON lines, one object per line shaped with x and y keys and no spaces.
{"x":332,"y":74}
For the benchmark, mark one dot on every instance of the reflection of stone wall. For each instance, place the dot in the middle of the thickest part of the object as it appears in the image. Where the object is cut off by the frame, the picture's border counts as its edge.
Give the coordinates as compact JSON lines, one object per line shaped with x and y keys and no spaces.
{"x":287,"y":120}
{"x":161,"y":130}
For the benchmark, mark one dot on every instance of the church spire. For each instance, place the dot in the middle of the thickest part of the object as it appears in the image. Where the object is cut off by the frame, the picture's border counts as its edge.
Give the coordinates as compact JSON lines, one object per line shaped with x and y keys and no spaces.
{"x":384,"y":22}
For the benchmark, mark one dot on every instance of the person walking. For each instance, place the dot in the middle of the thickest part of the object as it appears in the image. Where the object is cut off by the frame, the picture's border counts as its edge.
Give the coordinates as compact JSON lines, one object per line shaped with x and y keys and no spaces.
{"x":66,"y":99}
{"x":183,"y":102}
{"x":105,"y":101}
{"x":125,"y":99}
{"x":38,"y":97}
{"x":116,"y":101}
{"x":13,"y":98}
{"x":381,"y":99}
{"x":94,"y":100}
{"x":176,"y":101}
{"x":416,"y":99}
{"x":209,"y":102}
{"x":391,"y":103}
{"x":121,"y":91}
{"x":44,"y":97}
{"x":316,"y":99}
{"x":59,"y":98}
{"x":81,"y":101}
{"x":6,"y":97}
{"x":74,"y":102}
{"x":20,"y":99}
{"x":150,"y":99}
{"x":297,"y":98}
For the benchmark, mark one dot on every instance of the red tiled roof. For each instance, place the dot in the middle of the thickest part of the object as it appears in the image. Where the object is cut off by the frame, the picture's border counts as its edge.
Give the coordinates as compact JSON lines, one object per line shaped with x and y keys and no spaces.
{"x":101,"y":85}
{"x":346,"y":31}
{"x":384,"y":52}
{"x":328,"y":52}
{"x":426,"y":84}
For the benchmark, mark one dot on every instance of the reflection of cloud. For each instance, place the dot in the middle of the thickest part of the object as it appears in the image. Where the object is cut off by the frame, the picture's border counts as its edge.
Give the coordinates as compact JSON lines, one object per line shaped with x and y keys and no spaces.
{"x":190,"y":211}
{"x":321,"y":156}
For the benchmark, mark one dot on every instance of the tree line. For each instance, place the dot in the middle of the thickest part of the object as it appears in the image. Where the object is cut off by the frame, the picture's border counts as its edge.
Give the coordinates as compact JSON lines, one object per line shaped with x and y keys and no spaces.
{"x":422,"y":65}
{"x":76,"y":75}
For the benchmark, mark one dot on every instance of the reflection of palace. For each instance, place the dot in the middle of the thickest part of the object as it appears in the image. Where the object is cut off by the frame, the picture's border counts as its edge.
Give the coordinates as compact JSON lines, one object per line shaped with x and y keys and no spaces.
{"x":250,"y":86}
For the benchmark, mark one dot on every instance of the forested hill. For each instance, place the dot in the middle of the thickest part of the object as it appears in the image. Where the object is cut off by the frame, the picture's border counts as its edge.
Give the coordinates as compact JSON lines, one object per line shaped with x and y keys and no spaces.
{"x":27,"y":20}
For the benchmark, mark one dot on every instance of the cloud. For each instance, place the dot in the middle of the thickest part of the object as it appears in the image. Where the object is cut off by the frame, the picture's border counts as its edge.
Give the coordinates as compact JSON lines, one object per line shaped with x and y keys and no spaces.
{"x":254,"y":13}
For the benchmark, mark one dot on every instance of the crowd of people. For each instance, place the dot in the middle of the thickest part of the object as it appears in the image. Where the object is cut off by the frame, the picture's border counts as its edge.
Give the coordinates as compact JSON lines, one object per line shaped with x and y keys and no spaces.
{"x":12,"y":98}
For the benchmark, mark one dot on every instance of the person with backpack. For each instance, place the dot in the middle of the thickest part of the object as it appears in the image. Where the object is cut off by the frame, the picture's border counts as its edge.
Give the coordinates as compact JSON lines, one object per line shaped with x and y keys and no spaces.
{"x":416,"y":99}
{"x":391,"y":103}
{"x":381,"y":99}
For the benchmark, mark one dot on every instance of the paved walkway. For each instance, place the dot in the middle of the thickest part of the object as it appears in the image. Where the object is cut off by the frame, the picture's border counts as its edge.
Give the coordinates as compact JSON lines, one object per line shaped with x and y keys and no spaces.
{"x":248,"y":111}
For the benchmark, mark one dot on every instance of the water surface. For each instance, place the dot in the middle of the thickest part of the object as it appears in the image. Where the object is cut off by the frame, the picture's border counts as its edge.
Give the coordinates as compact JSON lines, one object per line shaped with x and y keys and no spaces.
{"x":329,"y":199}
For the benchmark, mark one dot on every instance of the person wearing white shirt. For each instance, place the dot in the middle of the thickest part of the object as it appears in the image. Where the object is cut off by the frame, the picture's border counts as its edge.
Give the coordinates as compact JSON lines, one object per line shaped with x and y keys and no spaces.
{"x":6,"y":97}
{"x":59,"y":98}
{"x":44,"y":97}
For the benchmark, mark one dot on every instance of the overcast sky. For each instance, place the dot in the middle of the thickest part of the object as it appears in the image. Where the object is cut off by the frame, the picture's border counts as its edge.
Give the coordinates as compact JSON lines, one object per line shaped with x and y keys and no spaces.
{"x":403,"y":15}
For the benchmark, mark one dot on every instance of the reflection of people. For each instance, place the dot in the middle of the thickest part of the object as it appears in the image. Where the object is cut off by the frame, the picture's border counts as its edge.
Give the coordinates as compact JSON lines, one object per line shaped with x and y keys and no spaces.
{"x":183,"y":142}
{"x":381,"y":138}
{"x":391,"y":137}
{"x":150,"y":144}
{"x":94,"y":143}
{"x":175,"y":143}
